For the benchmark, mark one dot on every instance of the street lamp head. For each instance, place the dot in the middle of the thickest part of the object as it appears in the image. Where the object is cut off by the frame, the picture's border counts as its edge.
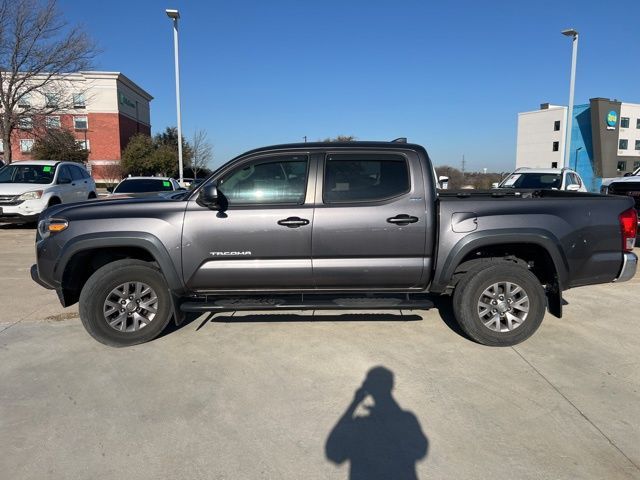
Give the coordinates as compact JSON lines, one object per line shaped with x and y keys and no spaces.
{"x":171,"y":13}
{"x":569,"y":32}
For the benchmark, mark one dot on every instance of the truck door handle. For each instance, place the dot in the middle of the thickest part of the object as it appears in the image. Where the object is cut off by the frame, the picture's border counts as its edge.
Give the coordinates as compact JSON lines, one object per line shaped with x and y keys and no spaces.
{"x":402,"y":219}
{"x":293,"y":222}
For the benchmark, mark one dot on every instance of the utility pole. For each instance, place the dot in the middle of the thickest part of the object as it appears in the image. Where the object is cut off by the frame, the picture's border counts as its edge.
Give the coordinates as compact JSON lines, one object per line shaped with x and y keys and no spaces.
{"x":305,"y":139}
{"x":463,"y":164}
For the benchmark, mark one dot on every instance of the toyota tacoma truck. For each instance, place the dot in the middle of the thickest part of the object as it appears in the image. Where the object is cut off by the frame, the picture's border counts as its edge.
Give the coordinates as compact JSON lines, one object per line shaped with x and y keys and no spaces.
{"x":356,"y":225}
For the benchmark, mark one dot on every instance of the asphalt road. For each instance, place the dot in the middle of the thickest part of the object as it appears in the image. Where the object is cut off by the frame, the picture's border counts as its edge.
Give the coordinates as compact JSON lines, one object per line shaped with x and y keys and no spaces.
{"x":256,"y":396}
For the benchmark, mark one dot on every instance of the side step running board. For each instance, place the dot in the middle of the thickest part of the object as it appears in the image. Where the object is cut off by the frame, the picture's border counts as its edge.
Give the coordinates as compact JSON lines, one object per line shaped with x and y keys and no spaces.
{"x":308,"y":302}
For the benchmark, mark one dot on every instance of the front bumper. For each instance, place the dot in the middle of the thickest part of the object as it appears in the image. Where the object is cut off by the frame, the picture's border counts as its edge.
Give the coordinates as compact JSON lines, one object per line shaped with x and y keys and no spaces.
{"x":36,"y":278}
{"x":18,"y":218}
{"x":629,"y":267}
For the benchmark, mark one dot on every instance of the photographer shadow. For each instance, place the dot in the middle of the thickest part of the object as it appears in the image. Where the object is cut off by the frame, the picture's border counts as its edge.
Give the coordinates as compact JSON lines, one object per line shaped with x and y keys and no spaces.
{"x":386,"y":443}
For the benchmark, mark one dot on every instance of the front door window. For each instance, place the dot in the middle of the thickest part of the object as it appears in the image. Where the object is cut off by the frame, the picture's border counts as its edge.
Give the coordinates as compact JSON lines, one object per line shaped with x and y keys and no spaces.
{"x":277,"y":180}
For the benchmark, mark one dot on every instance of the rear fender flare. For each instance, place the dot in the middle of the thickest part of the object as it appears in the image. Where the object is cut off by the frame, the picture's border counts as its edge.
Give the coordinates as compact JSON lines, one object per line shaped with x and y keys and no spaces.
{"x":488,"y":238}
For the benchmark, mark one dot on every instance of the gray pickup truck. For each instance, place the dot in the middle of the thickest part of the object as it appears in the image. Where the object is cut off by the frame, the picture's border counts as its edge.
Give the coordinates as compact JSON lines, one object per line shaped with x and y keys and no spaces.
{"x":357,"y":225}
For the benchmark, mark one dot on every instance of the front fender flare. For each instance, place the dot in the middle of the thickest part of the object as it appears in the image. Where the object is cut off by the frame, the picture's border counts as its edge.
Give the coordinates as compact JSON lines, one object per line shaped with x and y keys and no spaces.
{"x":143,"y":240}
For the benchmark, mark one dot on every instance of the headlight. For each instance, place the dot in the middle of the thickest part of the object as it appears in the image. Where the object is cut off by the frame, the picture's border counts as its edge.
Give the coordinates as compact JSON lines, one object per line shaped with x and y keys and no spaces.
{"x":35,"y":195}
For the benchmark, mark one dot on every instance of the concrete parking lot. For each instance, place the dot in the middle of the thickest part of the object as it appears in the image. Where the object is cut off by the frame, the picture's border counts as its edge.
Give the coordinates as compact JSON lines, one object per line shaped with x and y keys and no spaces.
{"x":250,"y":396}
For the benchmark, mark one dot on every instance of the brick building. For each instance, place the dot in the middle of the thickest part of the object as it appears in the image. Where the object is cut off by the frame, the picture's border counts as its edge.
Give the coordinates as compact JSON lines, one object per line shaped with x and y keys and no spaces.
{"x":102,"y":109}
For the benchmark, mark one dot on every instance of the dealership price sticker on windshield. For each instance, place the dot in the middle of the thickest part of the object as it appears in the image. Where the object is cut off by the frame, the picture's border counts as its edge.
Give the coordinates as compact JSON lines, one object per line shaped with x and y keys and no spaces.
{"x":166,"y":184}
{"x":46,"y":169}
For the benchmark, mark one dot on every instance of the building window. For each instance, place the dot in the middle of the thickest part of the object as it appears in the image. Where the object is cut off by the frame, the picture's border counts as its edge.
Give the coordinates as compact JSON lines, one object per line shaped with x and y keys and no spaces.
{"x":623,"y":144}
{"x":80,"y":123}
{"x":556,"y":126}
{"x":26,"y":145}
{"x":554,"y":164}
{"x":624,"y":122}
{"x":78,"y":100}
{"x":556,"y":146}
{"x":622,"y":166}
{"x":636,"y":165}
{"x":24,"y":101}
{"x":637,"y":144}
{"x":638,"y":123}
{"x":84,"y":144}
{"x":25,"y":123}
{"x":52,"y":122}
{"x":51,"y":100}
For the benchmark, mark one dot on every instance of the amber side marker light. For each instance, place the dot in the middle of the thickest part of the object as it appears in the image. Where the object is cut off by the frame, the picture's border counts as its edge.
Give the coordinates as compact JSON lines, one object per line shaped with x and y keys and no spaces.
{"x":57,"y":226}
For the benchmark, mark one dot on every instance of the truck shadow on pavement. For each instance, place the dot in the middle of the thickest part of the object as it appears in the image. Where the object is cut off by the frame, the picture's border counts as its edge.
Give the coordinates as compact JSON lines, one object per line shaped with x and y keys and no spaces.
{"x":441,"y":304}
{"x":379,"y":440}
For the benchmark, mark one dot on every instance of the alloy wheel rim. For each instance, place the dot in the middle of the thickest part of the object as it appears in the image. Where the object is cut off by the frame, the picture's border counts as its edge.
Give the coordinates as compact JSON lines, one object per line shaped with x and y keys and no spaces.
{"x":130,"y":306}
{"x":503,"y":306}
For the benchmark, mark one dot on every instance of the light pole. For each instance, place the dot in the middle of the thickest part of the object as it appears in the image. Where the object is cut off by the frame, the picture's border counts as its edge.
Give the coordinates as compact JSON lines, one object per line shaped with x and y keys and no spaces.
{"x":575,"y":167}
{"x":574,"y":56}
{"x":175,"y":15}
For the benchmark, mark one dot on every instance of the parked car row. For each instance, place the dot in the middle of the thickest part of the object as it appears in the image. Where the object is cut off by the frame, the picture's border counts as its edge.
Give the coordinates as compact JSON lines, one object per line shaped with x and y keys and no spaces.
{"x":29,"y":187}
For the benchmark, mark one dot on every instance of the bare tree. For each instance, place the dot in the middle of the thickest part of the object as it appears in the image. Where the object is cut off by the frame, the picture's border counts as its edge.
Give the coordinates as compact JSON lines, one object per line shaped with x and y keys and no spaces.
{"x":111,"y":173}
{"x":202,"y":152}
{"x":38,"y":49}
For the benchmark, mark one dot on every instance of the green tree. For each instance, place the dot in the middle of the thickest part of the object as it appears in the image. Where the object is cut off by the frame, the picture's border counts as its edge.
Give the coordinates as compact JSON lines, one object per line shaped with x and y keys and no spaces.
{"x":341,"y":138}
{"x":137,"y":157}
{"x":59,"y":144}
{"x":170,"y":138}
{"x":164,"y":160}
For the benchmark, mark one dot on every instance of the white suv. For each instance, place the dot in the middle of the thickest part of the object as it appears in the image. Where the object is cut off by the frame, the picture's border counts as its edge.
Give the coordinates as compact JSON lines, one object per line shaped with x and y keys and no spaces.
{"x":544,"y":178}
{"x":28,"y":187}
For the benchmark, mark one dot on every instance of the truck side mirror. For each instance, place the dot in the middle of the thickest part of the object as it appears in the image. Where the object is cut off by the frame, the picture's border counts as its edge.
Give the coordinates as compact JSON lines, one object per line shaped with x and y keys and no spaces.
{"x":573,"y":187}
{"x":208,"y":196}
{"x":628,"y":174}
{"x":495,"y":185}
{"x":443,"y":181}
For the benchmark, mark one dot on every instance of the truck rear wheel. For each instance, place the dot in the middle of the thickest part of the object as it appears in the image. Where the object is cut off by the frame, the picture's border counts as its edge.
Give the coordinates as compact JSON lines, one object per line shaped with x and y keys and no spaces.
{"x":125,"y":303}
{"x":501,"y":305}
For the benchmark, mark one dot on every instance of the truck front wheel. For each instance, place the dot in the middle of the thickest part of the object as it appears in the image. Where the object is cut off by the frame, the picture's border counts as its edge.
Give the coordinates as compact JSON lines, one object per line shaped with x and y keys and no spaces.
{"x":125,"y":303}
{"x":501,"y":305}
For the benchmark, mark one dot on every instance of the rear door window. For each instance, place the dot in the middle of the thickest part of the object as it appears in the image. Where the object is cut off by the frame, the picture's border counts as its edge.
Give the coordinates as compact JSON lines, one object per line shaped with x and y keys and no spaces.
{"x":76,"y":172}
{"x":64,"y":174}
{"x":364,"y":177}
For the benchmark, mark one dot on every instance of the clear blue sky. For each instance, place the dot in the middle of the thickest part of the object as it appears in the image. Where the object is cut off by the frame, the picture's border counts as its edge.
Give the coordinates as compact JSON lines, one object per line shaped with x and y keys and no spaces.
{"x":449,"y":75}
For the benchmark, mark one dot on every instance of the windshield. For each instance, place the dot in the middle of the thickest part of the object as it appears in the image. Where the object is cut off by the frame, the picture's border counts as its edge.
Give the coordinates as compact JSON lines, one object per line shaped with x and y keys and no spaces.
{"x":532,"y":180}
{"x":141,"y":185}
{"x":37,"y":174}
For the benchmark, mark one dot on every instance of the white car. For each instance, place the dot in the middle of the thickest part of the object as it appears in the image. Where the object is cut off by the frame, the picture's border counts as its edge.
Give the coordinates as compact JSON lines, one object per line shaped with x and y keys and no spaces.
{"x":628,"y":177}
{"x":544,"y":178}
{"x":142,"y":185}
{"x":29,"y":187}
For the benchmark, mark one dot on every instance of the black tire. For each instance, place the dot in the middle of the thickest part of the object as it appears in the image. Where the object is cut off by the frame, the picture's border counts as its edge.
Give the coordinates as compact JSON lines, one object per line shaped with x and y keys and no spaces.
{"x":103,"y":281}
{"x":54,"y":201}
{"x":469,"y":290}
